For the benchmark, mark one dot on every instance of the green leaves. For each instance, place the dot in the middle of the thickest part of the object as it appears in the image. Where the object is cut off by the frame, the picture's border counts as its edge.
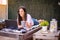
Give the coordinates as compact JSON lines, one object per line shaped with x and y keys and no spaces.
{"x":44,"y":23}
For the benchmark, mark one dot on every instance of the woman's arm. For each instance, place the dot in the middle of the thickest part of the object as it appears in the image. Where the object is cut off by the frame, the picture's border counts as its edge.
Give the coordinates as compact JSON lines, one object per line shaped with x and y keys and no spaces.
{"x":29,"y":22}
{"x":19,"y":26}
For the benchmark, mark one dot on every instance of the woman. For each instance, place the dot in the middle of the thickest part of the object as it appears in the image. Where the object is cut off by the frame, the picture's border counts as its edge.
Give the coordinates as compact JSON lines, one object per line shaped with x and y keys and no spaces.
{"x":23,"y":16}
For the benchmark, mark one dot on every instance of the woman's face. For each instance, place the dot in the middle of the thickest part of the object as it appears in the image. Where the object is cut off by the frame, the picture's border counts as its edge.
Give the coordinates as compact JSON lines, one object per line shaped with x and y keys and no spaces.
{"x":21,"y":12}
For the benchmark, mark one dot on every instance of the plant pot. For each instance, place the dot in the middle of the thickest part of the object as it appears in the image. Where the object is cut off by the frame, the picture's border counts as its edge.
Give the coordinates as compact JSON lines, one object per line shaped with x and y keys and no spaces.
{"x":44,"y":28}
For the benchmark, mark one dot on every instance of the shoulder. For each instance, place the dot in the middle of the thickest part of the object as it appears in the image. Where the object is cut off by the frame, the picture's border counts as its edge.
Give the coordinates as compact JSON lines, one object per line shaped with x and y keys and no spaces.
{"x":28,"y":15}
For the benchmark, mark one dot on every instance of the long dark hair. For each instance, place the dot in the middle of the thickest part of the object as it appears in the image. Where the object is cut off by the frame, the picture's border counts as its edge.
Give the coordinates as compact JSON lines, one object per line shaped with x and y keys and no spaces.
{"x":25,"y":14}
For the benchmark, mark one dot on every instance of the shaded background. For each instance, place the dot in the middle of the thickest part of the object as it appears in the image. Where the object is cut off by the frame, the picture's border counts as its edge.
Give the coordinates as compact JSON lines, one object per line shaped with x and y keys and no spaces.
{"x":44,"y":9}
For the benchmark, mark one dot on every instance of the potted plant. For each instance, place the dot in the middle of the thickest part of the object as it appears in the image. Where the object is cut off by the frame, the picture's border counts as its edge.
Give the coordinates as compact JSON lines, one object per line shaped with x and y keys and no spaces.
{"x":44,"y":24}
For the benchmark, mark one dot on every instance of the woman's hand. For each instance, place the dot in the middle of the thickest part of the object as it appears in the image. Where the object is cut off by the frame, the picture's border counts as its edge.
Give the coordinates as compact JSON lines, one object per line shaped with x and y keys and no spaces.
{"x":20,"y":26}
{"x":28,"y":25}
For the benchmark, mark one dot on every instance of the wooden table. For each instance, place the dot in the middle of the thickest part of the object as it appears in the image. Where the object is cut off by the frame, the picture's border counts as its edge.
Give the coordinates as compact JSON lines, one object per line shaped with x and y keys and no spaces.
{"x":46,"y":36}
{"x":17,"y":36}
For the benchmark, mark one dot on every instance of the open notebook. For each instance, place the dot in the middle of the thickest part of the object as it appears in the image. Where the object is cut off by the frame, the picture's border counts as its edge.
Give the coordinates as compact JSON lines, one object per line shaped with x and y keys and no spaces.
{"x":21,"y":30}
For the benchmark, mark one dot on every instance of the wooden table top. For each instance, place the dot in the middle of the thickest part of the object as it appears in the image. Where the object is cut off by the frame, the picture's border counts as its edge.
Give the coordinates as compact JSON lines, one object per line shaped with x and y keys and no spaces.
{"x":13,"y":34}
{"x":47,"y":33}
